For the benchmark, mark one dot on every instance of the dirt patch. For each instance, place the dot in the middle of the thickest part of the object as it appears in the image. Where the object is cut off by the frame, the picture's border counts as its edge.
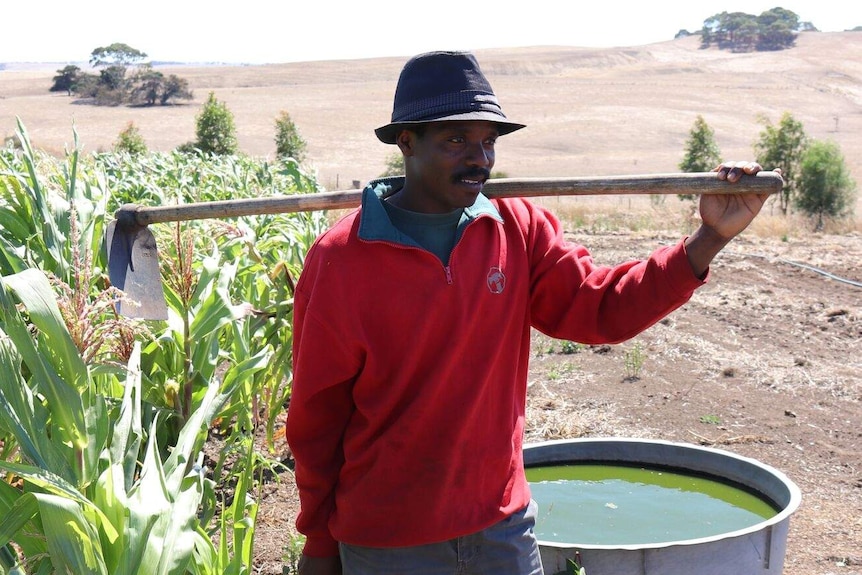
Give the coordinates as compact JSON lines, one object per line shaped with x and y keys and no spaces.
{"x":764,"y":361}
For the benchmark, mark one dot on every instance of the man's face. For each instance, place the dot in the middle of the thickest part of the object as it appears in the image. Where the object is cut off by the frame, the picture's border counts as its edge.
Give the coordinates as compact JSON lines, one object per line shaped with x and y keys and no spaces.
{"x":448,"y":164}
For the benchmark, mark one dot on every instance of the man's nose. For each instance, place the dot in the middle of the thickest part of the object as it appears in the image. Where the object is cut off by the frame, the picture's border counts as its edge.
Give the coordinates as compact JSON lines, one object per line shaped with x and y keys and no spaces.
{"x":479,"y":155}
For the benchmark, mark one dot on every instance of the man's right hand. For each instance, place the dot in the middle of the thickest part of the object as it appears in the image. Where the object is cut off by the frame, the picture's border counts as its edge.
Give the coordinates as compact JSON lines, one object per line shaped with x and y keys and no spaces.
{"x":319,"y":565}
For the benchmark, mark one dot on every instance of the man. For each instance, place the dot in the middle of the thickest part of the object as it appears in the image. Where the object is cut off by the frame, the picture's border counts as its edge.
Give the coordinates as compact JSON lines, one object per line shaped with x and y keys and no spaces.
{"x":411,"y":340}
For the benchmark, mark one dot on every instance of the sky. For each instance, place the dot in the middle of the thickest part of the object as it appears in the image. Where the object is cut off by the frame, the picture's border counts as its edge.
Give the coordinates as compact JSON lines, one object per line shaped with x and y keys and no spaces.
{"x":278,"y":31}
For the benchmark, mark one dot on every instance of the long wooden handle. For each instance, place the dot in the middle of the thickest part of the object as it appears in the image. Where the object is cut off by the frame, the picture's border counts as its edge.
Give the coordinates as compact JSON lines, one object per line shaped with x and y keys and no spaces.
{"x":687,"y":183}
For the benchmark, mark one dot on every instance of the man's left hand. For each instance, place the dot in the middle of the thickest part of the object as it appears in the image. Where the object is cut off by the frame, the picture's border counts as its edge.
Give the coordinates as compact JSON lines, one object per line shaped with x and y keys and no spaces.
{"x":728,"y":214}
{"x":723,"y":216}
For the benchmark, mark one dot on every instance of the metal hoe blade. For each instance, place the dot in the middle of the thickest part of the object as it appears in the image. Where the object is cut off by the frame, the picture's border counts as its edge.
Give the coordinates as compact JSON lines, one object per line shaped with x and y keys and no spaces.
{"x":133,"y":267}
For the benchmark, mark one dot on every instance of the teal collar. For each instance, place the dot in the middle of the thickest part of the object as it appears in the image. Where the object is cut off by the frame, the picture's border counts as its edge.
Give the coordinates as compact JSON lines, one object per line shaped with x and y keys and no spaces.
{"x":375,"y":224}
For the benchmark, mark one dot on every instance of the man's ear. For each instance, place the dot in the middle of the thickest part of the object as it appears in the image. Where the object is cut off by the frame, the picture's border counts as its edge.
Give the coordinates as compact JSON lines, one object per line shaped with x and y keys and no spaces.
{"x":406,"y":142}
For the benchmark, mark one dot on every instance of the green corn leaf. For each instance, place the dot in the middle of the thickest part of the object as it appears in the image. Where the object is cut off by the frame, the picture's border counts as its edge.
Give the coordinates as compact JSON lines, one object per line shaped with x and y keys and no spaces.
{"x":21,"y":511}
{"x":148,"y":502}
{"x":239,"y":518}
{"x":51,"y":236}
{"x":179,"y":526}
{"x":65,"y":401}
{"x":205,"y":559}
{"x":73,"y":543}
{"x":34,"y":291}
{"x":190,"y":439}
{"x":10,"y":257}
{"x":133,"y":519}
{"x":12,"y":224}
{"x":128,"y":432}
{"x":115,"y":482}
{"x":163,"y":511}
{"x":216,"y":309}
{"x":26,"y":417}
{"x":56,"y":485}
{"x":9,"y":564}
{"x":241,"y":377}
{"x":110,"y":496}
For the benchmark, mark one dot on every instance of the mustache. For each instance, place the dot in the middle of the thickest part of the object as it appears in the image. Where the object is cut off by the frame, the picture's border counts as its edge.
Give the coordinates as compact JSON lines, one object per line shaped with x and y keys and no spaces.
{"x":476,"y":173}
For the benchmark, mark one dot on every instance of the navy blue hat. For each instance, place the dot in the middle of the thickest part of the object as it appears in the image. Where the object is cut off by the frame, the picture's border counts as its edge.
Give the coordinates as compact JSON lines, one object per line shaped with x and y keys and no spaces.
{"x":440,"y":86}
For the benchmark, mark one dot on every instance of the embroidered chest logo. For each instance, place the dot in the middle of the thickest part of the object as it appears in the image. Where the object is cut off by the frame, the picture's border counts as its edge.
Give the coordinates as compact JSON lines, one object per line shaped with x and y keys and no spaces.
{"x":496,"y":280}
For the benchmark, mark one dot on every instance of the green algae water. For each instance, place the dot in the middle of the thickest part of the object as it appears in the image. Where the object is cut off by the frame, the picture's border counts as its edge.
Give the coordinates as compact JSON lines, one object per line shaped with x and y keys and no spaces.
{"x":627,"y":505}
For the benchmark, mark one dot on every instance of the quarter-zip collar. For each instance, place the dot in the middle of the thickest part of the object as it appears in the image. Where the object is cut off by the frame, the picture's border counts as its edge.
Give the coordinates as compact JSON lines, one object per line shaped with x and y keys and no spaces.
{"x":374,"y":222}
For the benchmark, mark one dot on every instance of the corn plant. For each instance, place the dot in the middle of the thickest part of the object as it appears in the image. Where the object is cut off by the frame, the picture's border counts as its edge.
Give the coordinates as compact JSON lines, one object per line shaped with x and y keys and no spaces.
{"x":271,"y":251}
{"x":192,"y":349}
{"x":85,"y":504}
{"x":237,"y":274}
{"x":236,"y":525}
{"x":36,"y":199}
{"x":102,"y":421}
{"x":175,"y":177}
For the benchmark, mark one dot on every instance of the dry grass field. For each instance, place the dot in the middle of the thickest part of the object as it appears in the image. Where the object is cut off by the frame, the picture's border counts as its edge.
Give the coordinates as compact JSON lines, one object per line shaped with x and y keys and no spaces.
{"x":765,"y":361}
{"x":588,"y":111}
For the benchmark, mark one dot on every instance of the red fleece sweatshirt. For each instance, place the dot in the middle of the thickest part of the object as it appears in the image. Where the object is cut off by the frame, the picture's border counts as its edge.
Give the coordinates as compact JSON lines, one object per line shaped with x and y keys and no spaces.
{"x":406,"y":417}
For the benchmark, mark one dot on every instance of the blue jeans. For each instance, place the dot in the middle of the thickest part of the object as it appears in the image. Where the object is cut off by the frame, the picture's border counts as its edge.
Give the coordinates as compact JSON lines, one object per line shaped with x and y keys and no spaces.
{"x":506,"y":548}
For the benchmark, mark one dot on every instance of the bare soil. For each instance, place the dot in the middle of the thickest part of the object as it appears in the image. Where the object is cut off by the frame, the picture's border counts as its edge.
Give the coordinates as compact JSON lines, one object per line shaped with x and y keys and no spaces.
{"x":764,"y":361}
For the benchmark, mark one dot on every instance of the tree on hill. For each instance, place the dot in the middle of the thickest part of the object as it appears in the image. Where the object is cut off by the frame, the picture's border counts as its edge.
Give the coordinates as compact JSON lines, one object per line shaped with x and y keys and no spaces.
{"x":774,"y":29}
{"x":113,"y":77}
{"x":777,"y":29}
{"x":117,"y":54}
{"x":394,"y":165}
{"x":114,"y":85}
{"x":149,"y":87}
{"x":173,"y":88}
{"x":66,"y":79}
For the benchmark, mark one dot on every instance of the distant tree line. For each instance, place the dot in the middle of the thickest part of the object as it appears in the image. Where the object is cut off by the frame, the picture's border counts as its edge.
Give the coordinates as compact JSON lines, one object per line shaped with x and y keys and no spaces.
{"x":775,"y":29}
{"x":122,"y":80}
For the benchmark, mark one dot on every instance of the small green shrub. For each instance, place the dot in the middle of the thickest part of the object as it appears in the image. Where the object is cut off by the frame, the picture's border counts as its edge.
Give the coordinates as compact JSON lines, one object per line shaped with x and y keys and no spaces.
{"x":634,"y":361}
{"x":826,"y":189}
{"x":288,"y":142}
{"x":215,"y":129}
{"x":130,"y":141}
{"x":570,"y":347}
{"x":292,"y":553}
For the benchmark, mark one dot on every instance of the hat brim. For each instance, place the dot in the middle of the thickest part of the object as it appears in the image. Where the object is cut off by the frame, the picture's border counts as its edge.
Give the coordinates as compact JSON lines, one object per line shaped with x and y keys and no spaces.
{"x":388,"y":133}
